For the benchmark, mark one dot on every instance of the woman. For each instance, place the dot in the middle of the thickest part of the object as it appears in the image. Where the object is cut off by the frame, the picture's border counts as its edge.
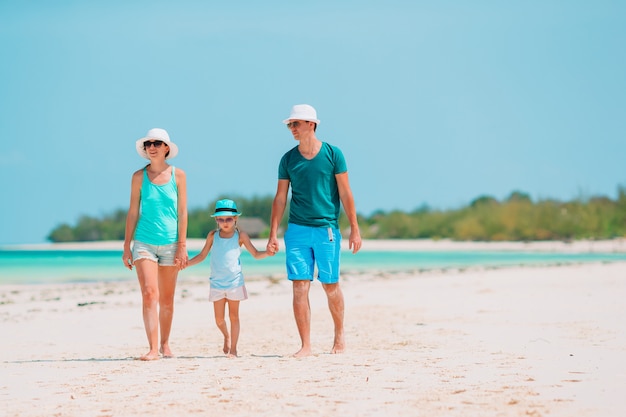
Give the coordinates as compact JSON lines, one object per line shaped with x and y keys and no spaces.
{"x":157,"y":223}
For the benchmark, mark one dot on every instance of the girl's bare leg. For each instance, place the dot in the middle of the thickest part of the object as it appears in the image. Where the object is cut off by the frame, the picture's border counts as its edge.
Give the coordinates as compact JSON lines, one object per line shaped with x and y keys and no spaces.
{"x":167,"y":290}
{"x":233,"y":315}
{"x":147,"y":274}
{"x":219,"y":308}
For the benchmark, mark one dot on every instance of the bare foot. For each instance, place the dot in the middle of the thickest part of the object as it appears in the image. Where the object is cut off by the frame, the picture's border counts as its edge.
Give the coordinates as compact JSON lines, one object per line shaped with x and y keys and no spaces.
{"x":226,"y":347}
{"x":302,"y":353}
{"x":150,"y":356}
{"x":232,"y":354}
{"x":337,"y":349}
{"x":166,"y":352}
{"x":339,"y":346}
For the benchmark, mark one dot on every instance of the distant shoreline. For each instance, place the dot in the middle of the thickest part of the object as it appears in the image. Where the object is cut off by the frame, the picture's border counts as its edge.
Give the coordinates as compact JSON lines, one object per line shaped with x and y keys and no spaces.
{"x":578,"y":246}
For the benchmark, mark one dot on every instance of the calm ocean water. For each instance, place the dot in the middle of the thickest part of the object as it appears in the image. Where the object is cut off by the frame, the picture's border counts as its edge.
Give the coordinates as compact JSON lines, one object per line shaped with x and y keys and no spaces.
{"x":59,"y":266}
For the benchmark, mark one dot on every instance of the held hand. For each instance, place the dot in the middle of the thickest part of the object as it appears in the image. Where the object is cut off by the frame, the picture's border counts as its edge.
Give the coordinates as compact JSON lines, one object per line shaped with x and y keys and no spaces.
{"x":181,"y":259}
{"x":180,"y":263}
{"x":272,"y":246}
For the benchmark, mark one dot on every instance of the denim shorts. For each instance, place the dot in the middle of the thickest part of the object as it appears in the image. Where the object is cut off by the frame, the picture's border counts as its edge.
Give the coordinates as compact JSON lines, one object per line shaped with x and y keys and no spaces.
{"x":161,"y":254}
{"x":306,"y":247}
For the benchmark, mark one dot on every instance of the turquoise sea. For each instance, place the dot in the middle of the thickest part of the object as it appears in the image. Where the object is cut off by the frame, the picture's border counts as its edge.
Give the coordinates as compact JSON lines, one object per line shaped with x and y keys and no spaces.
{"x":64,"y":266}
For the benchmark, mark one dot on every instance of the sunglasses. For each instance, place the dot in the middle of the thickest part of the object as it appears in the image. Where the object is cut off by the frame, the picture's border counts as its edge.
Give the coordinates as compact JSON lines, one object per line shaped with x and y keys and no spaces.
{"x":156,"y":143}
{"x":294,"y":124}
{"x":224,"y":219}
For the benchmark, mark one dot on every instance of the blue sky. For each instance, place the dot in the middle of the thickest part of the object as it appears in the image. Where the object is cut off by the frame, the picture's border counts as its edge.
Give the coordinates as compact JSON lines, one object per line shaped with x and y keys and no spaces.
{"x":432,"y":102}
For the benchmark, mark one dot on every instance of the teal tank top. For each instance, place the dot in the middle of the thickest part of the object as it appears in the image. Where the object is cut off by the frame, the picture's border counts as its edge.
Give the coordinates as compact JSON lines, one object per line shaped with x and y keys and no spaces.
{"x":158,"y":212}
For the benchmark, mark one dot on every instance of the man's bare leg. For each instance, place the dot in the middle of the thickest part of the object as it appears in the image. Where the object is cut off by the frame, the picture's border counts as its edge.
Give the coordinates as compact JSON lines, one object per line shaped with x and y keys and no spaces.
{"x":336,"y":307}
{"x":302,"y":314}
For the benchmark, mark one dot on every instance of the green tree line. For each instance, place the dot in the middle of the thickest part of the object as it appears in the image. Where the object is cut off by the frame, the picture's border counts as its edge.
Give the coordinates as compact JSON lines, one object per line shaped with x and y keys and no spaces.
{"x":516,"y":218}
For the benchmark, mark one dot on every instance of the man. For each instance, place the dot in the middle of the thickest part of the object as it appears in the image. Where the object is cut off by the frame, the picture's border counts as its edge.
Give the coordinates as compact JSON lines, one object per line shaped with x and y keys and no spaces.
{"x":318,"y":176}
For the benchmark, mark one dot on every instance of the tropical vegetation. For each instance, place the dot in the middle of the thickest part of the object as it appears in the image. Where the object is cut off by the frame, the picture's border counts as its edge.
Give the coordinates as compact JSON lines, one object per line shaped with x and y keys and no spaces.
{"x":516,"y":218}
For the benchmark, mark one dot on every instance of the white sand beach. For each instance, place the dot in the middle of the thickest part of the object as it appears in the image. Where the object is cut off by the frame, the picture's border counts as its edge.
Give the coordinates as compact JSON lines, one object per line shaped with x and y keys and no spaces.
{"x":533,"y":341}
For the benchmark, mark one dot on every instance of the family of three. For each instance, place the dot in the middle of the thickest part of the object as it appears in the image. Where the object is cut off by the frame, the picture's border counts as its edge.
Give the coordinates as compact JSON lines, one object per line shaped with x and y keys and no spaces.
{"x":156,"y":231}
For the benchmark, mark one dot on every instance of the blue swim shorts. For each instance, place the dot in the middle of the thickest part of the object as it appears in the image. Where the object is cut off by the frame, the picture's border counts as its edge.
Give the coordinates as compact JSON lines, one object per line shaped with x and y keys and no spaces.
{"x":309,"y":246}
{"x":163,"y":254}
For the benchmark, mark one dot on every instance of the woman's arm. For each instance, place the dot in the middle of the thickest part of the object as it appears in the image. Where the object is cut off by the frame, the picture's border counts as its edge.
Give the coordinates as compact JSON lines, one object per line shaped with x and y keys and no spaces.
{"x":182,"y":257}
{"x":132,"y":217}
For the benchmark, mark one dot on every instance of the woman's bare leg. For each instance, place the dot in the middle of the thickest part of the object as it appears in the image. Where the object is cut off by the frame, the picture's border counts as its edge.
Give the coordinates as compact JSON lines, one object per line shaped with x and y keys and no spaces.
{"x":148,"y":276}
{"x":167,"y":290}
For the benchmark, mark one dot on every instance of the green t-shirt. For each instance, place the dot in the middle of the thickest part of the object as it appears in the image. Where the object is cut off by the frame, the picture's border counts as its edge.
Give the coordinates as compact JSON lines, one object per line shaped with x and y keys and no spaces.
{"x":314,"y":193}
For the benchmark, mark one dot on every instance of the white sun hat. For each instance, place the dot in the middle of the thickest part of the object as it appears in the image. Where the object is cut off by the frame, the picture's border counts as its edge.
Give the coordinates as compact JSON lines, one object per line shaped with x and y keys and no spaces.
{"x":302,"y":112}
{"x":156,"y":134}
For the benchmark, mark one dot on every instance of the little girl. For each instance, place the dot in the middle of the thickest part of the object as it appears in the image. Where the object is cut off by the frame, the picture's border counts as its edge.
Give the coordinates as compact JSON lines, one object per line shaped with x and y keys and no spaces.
{"x":227,"y":283}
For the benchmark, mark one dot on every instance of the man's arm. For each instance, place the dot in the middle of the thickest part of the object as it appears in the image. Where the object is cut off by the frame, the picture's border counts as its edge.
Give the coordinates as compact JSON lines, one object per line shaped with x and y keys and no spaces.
{"x":278,"y":209}
{"x":345,"y":194}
